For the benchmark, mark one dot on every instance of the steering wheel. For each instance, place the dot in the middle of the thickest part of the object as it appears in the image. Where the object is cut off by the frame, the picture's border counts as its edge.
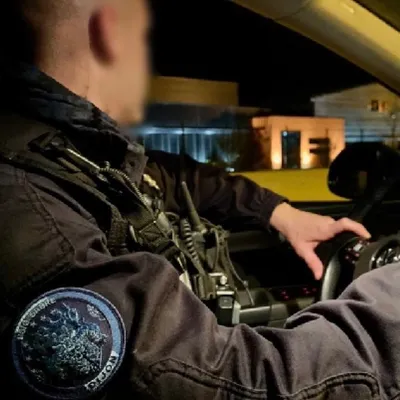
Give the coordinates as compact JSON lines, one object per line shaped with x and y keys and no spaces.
{"x":347,"y":256}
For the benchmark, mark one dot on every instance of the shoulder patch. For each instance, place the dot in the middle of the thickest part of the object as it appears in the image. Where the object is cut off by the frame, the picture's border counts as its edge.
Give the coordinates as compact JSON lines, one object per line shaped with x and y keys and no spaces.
{"x":68,"y":343}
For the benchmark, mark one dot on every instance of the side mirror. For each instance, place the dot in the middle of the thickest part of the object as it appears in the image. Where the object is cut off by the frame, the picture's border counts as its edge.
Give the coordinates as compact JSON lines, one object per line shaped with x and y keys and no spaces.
{"x":362,"y":167}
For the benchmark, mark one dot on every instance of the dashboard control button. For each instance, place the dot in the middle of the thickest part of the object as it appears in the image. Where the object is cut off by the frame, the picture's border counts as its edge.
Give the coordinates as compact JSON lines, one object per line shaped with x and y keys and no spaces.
{"x":292,"y":292}
{"x":352,"y":252}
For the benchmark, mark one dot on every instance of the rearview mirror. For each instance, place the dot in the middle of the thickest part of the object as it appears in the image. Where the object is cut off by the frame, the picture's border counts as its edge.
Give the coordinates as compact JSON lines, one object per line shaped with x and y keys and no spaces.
{"x":361,"y":168}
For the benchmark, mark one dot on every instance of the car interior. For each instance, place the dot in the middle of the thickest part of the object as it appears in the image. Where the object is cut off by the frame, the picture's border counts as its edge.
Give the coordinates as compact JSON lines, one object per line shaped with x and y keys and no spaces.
{"x":279,"y":280}
{"x":365,"y":32}
{"x":364,"y":175}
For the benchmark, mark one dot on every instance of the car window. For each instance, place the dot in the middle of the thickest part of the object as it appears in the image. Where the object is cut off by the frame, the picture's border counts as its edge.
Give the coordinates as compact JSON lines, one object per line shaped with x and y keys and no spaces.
{"x":238,"y":91}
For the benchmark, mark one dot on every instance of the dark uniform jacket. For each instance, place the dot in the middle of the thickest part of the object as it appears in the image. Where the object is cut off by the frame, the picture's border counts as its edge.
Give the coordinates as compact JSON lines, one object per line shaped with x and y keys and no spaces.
{"x":127,"y":322}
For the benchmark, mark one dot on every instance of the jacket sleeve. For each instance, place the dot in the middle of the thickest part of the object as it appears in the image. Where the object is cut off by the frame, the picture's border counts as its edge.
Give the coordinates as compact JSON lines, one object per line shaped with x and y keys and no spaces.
{"x":338,"y":350}
{"x":218,"y":196}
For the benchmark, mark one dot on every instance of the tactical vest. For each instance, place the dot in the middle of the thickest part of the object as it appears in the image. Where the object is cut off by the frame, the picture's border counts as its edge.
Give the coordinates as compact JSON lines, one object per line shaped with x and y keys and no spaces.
{"x":131,"y":220}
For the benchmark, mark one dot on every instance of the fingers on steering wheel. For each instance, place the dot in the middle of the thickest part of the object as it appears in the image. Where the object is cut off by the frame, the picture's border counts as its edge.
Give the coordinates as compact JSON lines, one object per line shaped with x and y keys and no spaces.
{"x":313,"y":262}
{"x":346,"y":224}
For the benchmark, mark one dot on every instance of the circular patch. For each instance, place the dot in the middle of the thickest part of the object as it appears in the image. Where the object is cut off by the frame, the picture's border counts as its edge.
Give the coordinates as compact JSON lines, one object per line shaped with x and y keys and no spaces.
{"x":68,"y":343}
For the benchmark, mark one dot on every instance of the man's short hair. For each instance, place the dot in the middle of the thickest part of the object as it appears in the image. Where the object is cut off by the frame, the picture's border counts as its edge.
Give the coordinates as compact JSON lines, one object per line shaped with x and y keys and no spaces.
{"x":23,"y":21}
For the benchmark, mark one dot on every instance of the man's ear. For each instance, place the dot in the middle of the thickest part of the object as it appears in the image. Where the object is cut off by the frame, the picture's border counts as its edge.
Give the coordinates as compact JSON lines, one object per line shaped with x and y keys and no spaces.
{"x":104,"y":34}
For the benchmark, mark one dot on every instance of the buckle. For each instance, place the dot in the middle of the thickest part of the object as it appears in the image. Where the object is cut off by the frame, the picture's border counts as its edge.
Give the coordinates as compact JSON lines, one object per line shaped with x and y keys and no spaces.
{"x":214,"y":290}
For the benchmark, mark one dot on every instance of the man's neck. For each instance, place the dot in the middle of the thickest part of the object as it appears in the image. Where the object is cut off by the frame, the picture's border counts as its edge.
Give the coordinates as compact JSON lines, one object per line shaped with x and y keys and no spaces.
{"x":75,"y":79}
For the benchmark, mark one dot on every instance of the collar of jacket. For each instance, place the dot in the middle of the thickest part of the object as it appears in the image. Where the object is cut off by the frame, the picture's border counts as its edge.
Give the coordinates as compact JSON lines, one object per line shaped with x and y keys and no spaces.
{"x":30,"y":92}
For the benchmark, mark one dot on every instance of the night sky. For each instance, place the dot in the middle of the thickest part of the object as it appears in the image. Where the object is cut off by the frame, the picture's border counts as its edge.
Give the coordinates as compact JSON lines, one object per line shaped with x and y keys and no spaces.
{"x":219,"y":40}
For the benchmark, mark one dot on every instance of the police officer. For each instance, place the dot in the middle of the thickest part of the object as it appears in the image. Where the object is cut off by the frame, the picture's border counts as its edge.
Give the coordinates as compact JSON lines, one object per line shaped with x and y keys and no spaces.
{"x":78,"y":321}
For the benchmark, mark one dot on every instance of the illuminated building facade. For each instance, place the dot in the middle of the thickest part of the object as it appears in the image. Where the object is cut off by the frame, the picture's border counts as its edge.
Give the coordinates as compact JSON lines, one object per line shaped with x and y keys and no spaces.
{"x":206,"y":133}
{"x":300,"y":142}
{"x":203,"y":119}
{"x":371,"y":112}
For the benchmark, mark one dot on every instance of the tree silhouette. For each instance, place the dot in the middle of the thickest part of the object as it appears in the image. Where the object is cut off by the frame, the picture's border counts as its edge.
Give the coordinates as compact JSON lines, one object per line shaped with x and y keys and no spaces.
{"x":216,"y":159}
{"x":244,"y":150}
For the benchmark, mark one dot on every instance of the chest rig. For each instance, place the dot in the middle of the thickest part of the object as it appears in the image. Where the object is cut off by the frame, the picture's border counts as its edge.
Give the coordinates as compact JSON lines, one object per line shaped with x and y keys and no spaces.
{"x":133,"y":220}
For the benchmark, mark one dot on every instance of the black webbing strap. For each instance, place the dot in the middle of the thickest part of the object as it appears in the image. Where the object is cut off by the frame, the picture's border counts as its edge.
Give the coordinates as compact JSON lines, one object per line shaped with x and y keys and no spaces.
{"x":148,"y":234}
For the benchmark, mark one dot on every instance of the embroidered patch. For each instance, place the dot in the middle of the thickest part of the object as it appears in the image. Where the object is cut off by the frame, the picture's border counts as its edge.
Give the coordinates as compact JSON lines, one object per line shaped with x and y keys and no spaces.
{"x":68,"y":343}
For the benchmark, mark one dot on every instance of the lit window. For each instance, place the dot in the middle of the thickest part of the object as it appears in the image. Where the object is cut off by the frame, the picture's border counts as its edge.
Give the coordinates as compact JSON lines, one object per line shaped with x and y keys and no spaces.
{"x":374,"y":105}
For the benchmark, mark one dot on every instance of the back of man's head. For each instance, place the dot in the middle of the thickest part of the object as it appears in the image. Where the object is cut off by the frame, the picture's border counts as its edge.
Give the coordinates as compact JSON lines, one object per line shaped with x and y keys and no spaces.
{"x":28,"y":23}
{"x":96,"y":48}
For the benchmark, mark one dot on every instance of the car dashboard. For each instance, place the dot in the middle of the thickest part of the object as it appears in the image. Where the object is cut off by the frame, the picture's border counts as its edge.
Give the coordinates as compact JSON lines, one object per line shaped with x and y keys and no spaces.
{"x":279,"y":281}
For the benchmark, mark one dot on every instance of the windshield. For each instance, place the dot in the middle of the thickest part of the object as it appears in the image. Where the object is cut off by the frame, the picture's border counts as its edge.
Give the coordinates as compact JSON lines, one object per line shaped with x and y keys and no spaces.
{"x":388,"y":10}
{"x":241,"y":92}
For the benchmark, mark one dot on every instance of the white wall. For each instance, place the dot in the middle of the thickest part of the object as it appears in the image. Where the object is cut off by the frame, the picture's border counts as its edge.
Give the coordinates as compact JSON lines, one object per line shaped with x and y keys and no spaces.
{"x":354,"y":105}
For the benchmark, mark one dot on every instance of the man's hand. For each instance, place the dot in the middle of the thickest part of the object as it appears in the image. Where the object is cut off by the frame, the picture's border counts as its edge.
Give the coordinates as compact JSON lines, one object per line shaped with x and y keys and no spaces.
{"x":305,"y":231}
